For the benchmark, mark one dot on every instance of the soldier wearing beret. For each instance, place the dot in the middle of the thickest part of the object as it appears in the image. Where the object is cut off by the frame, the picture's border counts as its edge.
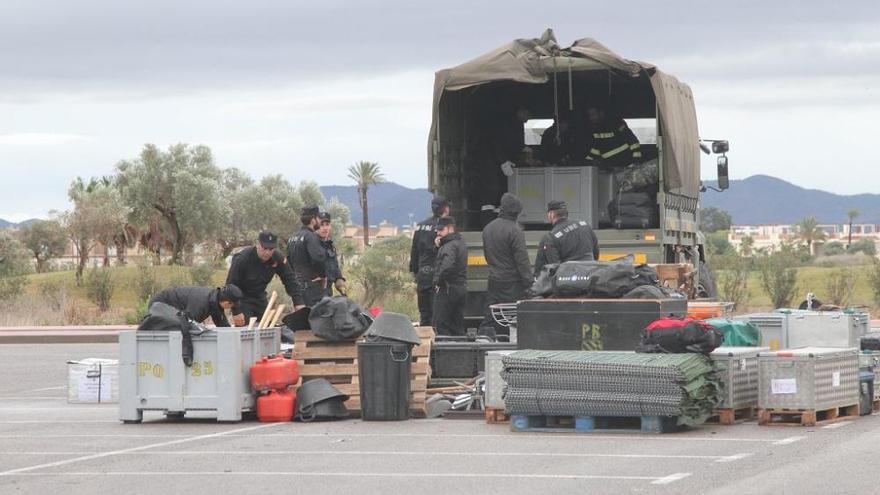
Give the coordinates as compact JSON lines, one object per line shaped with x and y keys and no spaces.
{"x":307,"y":257}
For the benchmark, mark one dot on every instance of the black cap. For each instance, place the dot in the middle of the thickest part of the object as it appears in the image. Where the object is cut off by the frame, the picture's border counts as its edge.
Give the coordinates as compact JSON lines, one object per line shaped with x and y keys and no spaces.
{"x":324,"y":216}
{"x":438,"y":203}
{"x":268,"y":240}
{"x":311,"y":211}
{"x":556,"y":205}
{"x":231,"y":293}
{"x":445,"y":221}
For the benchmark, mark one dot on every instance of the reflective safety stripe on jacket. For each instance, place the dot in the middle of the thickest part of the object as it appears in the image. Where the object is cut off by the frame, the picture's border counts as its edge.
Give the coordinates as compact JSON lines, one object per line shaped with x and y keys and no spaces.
{"x":619,"y":143}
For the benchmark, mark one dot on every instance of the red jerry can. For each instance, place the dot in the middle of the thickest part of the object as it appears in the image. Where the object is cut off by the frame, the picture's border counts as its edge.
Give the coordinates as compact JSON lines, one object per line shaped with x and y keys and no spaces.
{"x":277,"y":406}
{"x":274,"y":373}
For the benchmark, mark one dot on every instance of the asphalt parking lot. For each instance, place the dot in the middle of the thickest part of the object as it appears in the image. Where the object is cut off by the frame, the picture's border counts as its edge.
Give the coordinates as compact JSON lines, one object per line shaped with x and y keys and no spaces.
{"x":48,"y":445}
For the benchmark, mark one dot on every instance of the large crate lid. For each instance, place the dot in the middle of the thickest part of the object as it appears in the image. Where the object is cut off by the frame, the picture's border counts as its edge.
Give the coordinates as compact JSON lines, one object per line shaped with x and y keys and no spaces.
{"x":809,"y":352}
{"x":739,"y":352}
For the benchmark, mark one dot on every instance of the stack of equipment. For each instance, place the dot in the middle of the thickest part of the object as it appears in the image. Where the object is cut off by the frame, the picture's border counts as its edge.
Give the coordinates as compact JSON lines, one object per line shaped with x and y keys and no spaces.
{"x":273,"y":377}
{"x":610,"y":384}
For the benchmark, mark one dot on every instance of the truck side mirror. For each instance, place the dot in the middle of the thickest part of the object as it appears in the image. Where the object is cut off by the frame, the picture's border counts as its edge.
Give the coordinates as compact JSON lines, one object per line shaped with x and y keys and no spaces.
{"x":720,"y":147}
{"x":723,"y":179}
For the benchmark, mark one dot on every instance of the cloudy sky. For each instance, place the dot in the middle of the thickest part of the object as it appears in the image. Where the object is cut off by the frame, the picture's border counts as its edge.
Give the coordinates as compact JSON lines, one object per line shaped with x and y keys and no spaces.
{"x":307,"y":88}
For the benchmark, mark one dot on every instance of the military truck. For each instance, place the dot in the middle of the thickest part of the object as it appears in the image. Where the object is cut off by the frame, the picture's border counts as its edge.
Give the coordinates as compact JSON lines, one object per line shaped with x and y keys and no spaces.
{"x":478,"y":108}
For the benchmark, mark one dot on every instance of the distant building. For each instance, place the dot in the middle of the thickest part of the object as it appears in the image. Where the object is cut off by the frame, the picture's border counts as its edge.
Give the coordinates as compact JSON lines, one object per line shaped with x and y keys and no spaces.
{"x":385,"y":230}
{"x":770,"y":237}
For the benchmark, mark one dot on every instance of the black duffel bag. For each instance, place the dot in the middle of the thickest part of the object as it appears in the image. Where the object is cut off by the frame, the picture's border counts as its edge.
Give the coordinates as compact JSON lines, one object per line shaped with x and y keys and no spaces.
{"x":164,"y":317}
{"x":338,"y":318}
{"x":672,"y":335}
{"x":634,"y":210}
{"x":602,"y":279}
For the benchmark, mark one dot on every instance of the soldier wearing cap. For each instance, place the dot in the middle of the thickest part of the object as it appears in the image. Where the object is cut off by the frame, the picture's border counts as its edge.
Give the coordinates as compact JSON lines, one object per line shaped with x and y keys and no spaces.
{"x":568,"y":240}
{"x":307,"y":257}
{"x":252,"y":269}
{"x":334,"y":273}
{"x":450,"y":279}
{"x":422,"y":257}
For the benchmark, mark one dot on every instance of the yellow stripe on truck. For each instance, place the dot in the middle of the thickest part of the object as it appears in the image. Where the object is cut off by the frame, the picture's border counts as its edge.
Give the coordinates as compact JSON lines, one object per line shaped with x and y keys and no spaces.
{"x":477,"y":261}
{"x":639,"y":257}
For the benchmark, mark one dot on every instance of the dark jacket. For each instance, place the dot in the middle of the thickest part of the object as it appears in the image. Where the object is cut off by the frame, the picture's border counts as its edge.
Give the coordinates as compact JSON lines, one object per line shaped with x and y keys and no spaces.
{"x":615,"y":145}
{"x":504,"y":245}
{"x":451,"y":265}
{"x":252,"y":275}
{"x":197,"y":302}
{"x":306,"y":256}
{"x":424,"y":252}
{"x":541,"y":257}
{"x":334,"y":273}
{"x":571,"y":240}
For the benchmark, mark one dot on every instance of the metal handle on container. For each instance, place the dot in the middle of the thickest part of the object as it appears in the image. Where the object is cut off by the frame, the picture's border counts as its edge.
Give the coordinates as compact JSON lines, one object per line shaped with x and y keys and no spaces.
{"x":405,"y":356}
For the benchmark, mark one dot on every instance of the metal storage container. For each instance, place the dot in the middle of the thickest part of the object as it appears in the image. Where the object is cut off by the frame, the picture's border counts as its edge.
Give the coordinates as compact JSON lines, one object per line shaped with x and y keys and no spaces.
{"x":738,"y":369}
{"x":589,"y":324}
{"x":153,"y":376}
{"x":808,"y":378}
{"x":825,"y":329}
{"x":536,"y":186}
{"x":461,"y":359}
{"x":494,"y":383}
{"x":773,"y":327}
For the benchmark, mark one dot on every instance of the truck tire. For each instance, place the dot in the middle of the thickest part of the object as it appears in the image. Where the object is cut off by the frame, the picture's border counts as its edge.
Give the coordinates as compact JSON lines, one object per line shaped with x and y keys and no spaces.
{"x":706,"y":288}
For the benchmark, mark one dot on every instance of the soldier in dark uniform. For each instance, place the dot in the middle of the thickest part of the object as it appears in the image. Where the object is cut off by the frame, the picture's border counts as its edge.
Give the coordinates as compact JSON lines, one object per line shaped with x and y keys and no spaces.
{"x":307,"y":257}
{"x":252,"y":269}
{"x":450,"y":279}
{"x":422,"y":257}
{"x":201,"y":302}
{"x":568,"y":240}
{"x":334,"y":272}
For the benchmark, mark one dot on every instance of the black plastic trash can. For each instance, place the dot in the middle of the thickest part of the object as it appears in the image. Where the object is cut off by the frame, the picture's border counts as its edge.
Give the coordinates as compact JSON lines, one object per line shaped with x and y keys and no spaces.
{"x":866,"y":392}
{"x":384,"y":373}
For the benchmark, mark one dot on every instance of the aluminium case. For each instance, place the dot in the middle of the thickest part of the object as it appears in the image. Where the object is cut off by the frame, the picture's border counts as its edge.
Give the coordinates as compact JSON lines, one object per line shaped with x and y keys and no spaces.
{"x":737,"y":367}
{"x":153,"y":376}
{"x":813,"y":378}
{"x":773,"y":327}
{"x":826,"y":329}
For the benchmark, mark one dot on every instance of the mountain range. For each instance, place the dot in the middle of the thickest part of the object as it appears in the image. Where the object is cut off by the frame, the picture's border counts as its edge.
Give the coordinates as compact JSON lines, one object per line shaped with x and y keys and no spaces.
{"x":759,"y":199}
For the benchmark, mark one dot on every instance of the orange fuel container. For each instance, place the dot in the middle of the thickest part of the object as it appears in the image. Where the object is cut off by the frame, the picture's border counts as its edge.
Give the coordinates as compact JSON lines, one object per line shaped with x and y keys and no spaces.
{"x":274,"y":373}
{"x":277,"y":406}
{"x":705,"y":310}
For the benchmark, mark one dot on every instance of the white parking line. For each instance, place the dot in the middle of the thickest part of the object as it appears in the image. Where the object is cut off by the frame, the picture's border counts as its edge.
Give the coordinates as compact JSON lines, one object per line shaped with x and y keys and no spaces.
{"x":789,"y":440}
{"x":133,"y":449}
{"x":445,"y":475}
{"x":670,"y":479}
{"x":33,"y":398}
{"x":48,"y":388}
{"x":716,"y":458}
{"x":836,"y":425}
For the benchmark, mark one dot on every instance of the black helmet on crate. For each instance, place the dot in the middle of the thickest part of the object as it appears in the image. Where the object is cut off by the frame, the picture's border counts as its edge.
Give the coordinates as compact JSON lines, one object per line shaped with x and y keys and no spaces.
{"x":319,"y":399}
{"x":393,"y":326}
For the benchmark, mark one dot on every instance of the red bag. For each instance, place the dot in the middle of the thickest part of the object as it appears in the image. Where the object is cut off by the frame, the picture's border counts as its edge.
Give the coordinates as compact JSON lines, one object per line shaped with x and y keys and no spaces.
{"x":679,"y":335}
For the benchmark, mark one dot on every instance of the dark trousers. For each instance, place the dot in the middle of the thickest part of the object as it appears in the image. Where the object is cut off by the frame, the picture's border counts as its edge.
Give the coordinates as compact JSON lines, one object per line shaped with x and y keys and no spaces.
{"x":253,"y":306}
{"x":499,"y":292}
{"x":449,"y":310}
{"x":313,"y":292}
{"x":426,"y":306}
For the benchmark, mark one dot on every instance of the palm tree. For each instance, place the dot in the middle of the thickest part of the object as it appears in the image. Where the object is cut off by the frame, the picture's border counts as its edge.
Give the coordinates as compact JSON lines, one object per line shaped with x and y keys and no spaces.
{"x":851,"y":214}
{"x":365,"y":174}
{"x":809,"y":232}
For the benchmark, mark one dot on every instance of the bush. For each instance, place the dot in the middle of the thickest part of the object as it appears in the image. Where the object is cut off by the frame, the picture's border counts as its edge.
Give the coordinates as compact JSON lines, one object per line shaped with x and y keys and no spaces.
{"x":99,"y":287}
{"x":53,"y":294}
{"x":137,"y":316}
{"x":866,"y":246}
{"x":733,"y":281}
{"x":179,"y":277}
{"x":779,"y":276}
{"x":838,"y":260}
{"x":382,"y":271}
{"x":833,"y":249}
{"x":145,"y":282}
{"x":201,"y":274}
{"x":874,"y":281}
{"x":839,"y":286}
{"x":12,"y":287}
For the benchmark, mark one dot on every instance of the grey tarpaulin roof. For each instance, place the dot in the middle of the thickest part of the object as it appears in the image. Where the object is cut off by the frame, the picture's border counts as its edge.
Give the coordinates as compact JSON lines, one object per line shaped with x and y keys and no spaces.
{"x":532,"y":61}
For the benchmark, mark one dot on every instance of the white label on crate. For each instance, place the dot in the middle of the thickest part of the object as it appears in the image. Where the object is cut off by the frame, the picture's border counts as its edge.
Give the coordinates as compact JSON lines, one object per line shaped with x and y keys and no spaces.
{"x":89,"y":389}
{"x":783,"y":386}
{"x":835,"y":379}
{"x":742,"y":364}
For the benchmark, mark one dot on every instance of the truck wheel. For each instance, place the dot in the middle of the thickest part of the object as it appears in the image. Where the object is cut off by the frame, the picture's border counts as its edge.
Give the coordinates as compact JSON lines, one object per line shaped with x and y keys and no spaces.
{"x":706,"y":287}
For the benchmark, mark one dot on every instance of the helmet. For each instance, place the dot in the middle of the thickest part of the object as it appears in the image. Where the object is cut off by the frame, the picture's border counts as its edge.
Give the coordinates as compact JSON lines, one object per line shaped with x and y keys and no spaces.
{"x":393,"y":326}
{"x":319,"y":399}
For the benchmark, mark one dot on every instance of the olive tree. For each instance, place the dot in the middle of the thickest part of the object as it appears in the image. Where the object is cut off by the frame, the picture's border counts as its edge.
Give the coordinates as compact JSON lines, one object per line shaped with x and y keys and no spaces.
{"x":14,"y":263}
{"x":98,"y":214}
{"x":45,"y":239}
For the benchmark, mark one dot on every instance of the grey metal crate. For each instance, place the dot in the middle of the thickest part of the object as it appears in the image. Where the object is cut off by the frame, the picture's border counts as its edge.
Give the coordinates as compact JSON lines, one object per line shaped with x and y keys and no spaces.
{"x":494,"y":383}
{"x":737,"y":368}
{"x":773,"y":327}
{"x":825,"y":329}
{"x":153,"y":377}
{"x":808,"y":378}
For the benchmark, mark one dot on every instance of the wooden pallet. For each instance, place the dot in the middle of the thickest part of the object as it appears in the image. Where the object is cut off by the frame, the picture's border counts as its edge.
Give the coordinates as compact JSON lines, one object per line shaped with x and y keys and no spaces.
{"x":806,"y":417}
{"x":730,"y":416}
{"x":337,"y":362}
{"x":496,"y":416}
{"x":593,"y":424}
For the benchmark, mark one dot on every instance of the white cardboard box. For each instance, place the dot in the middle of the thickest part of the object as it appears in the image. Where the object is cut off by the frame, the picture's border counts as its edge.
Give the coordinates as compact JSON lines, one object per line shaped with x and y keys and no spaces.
{"x":93,"y":381}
